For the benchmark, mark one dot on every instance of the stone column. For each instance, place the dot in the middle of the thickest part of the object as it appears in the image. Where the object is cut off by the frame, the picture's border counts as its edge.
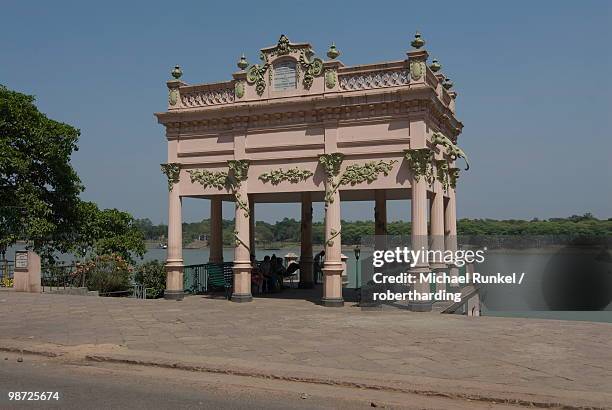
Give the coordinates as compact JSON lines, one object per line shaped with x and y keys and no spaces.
{"x":450,"y":229}
{"x":252,"y":225}
{"x":437,"y":231}
{"x":332,"y":268}
{"x":380,"y":212}
{"x":216,"y":231}
{"x":419,"y":239}
{"x":174,"y":259}
{"x":306,"y":272}
{"x":380,"y":219}
{"x":242,"y":255}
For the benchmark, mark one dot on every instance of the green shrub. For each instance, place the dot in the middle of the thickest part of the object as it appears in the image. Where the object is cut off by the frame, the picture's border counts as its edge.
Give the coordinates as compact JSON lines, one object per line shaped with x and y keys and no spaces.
{"x":106,"y":273}
{"x":152,"y":275}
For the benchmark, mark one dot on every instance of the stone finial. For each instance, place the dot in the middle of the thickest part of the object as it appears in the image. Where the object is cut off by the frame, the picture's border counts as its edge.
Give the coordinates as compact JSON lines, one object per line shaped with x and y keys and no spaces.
{"x":435,"y":66}
{"x":448,"y":84}
{"x":177,"y":72}
{"x":242,"y":63}
{"x":333,"y":52}
{"x":418,"y":42}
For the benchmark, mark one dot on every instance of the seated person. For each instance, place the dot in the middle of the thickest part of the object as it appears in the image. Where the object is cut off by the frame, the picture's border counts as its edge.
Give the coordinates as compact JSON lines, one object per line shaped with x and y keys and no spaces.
{"x":292,"y":268}
{"x":318,"y":266}
{"x":269,"y":276}
{"x":257,"y":279}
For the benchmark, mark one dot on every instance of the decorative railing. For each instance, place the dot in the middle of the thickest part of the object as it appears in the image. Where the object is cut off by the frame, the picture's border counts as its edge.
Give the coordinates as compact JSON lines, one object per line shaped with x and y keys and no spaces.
{"x":195,"y":277}
{"x":373,"y":79}
{"x":6,"y":273}
{"x":61,"y":276}
{"x":206,"y":97}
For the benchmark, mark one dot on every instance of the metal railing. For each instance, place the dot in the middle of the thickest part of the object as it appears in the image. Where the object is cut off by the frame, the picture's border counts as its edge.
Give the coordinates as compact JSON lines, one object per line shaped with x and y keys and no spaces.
{"x":61,"y":276}
{"x":195,"y":277}
{"x":6,"y":273}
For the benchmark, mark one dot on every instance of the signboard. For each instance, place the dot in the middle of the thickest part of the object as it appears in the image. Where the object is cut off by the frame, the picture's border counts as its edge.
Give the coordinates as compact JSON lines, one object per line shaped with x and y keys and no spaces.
{"x":21,"y":259}
{"x":284,"y":76}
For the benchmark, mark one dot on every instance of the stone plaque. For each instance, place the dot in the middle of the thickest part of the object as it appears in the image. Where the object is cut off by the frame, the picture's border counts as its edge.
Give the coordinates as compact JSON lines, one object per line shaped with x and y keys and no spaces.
{"x":21,"y":259}
{"x":284,"y":76}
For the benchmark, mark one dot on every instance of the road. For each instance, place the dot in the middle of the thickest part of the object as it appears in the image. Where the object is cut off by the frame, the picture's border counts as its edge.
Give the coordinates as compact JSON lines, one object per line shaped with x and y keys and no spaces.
{"x":85,"y":385}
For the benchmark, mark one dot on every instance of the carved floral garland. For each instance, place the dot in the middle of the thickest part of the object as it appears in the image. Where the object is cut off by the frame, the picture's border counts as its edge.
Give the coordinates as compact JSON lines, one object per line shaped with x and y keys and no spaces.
{"x":353,"y":174}
{"x":232,"y":180}
{"x":420,"y":163}
{"x":293,"y":175}
{"x":172,"y":172}
{"x":313,"y":67}
{"x":452,"y":149}
{"x":453,"y":175}
{"x":442,"y":172}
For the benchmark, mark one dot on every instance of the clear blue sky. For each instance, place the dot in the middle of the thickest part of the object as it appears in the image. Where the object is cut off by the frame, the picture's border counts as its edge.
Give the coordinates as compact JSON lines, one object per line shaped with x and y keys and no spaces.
{"x":534,"y":81}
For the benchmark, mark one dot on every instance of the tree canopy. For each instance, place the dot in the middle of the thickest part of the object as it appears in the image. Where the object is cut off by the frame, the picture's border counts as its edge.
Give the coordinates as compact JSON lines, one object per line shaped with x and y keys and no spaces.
{"x":39,"y":188}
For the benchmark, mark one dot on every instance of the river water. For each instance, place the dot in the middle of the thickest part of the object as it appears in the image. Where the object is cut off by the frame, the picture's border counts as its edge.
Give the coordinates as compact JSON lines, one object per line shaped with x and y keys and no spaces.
{"x":497,"y":300}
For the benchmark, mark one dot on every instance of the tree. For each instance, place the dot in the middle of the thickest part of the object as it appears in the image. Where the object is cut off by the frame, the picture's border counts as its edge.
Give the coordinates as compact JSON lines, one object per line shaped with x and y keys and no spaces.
{"x":39,"y":189}
{"x":107,"y":231}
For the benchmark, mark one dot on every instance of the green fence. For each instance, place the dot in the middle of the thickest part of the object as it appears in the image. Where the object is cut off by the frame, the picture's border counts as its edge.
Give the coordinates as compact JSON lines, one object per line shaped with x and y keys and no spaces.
{"x":195,"y":277}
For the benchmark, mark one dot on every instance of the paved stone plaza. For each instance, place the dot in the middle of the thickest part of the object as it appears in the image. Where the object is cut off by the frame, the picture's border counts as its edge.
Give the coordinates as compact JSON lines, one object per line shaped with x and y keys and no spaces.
{"x":518,"y":353}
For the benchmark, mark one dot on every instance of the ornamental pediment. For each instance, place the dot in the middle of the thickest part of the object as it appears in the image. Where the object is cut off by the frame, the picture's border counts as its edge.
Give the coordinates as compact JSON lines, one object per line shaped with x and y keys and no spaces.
{"x":283,"y":68}
{"x":293,"y":73}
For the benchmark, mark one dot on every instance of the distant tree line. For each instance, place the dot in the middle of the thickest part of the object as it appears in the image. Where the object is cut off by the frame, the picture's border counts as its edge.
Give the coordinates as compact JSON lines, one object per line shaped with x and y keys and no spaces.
{"x":288,"y":230}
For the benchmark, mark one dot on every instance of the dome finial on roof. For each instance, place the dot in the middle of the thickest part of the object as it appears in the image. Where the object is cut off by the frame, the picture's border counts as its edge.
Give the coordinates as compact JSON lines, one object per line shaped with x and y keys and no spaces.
{"x":435,"y":65}
{"x":177,"y":72}
{"x":242,"y":63}
{"x":333,"y":52}
{"x":418,"y":42}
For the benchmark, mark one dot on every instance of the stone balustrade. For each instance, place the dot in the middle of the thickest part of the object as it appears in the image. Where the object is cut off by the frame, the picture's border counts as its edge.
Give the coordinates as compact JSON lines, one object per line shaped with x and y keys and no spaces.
{"x":206,"y":95}
{"x":373,"y":79}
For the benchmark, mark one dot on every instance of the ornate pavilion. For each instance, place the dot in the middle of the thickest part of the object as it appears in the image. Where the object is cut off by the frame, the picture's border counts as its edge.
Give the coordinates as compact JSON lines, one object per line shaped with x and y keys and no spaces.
{"x":297,"y":128}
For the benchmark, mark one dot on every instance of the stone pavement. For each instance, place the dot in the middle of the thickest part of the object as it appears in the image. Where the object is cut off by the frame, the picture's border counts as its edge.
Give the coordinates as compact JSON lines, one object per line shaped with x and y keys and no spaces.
{"x":529,"y":354}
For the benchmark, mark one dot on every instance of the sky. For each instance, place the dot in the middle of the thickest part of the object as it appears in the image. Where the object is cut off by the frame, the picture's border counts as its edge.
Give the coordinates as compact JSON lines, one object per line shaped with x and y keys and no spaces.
{"x":533,"y":77}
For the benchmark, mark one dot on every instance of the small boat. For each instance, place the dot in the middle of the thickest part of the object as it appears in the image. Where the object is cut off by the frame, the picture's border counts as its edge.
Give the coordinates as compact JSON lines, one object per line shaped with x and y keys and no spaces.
{"x":163,"y":246}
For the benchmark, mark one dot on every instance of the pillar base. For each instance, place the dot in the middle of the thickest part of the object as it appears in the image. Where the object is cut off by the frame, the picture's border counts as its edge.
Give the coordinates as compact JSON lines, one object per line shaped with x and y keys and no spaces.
{"x":305,"y":285}
{"x":420,"y":306}
{"x":332,"y":302}
{"x":174,"y":294}
{"x":242,"y":297}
